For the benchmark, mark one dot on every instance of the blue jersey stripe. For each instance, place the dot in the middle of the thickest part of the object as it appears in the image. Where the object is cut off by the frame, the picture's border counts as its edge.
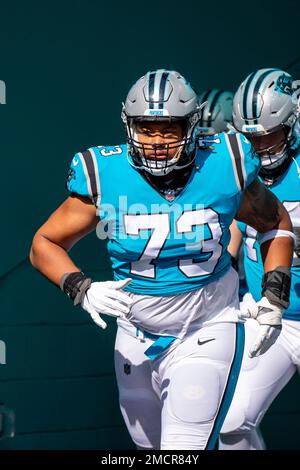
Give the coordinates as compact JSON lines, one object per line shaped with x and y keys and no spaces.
{"x":230,"y":386}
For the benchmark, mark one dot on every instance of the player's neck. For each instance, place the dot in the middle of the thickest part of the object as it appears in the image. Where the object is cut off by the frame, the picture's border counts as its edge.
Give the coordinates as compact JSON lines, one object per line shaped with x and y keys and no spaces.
{"x":171,"y":184}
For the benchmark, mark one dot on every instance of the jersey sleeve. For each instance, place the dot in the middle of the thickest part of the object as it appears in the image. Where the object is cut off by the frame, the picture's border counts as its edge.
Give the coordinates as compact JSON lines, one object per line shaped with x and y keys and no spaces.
{"x":76,"y":178}
{"x":83,"y":176}
{"x":244,"y":161}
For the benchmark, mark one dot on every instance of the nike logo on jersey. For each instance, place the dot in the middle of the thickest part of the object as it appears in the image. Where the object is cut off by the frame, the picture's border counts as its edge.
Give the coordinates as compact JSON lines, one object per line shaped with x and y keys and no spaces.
{"x":75,"y":162}
{"x":205,"y":341}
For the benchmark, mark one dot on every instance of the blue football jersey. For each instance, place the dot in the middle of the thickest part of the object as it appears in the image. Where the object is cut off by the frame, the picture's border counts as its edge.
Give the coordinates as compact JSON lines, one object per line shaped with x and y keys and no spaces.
{"x":166,"y":247}
{"x":287,"y":190}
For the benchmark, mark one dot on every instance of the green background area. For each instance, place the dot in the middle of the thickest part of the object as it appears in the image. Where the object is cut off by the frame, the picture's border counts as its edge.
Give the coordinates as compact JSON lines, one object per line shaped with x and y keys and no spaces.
{"x":67,"y":67}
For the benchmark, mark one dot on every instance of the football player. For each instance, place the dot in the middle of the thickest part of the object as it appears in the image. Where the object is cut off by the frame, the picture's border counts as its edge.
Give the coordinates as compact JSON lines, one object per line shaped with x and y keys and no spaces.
{"x":166,"y":206}
{"x":266,"y":111}
{"x":216,"y":111}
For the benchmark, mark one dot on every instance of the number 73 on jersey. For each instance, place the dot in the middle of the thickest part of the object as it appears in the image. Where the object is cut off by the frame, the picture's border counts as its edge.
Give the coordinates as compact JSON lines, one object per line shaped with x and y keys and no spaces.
{"x":200,"y":224}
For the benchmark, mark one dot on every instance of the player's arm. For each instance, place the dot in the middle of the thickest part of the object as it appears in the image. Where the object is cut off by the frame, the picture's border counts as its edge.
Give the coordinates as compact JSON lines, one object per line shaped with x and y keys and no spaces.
{"x":75,"y":218}
{"x":235,"y":240}
{"x":262,"y":210}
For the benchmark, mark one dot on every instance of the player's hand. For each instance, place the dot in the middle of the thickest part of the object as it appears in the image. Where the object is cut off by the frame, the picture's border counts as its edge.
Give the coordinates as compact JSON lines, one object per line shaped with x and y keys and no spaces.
{"x":269,"y":317}
{"x":105,"y":297}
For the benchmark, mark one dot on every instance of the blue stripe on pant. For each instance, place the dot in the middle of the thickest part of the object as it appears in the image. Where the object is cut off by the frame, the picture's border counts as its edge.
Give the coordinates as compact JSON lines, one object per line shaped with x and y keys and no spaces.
{"x":230,"y":386}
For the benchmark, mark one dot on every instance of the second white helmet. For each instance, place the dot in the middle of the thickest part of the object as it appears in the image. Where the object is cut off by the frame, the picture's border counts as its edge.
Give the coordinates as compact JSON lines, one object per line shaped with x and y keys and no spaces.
{"x":216,"y":111}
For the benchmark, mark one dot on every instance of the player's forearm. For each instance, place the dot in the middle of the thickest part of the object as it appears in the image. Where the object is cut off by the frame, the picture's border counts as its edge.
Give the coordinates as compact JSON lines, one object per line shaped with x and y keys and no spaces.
{"x":235,"y":240}
{"x":50,"y":259}
{"x":264,"y":212}
{"x":277,"y":252}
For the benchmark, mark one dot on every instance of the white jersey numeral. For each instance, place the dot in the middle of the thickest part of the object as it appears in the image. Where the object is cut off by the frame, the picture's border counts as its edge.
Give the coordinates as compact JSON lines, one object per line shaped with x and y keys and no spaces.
{"x":107,"y":153}
{"x":251,"y":234}
{"x":211,"y":246}
{"x":159,"y":224}
{"x":293,"y":208}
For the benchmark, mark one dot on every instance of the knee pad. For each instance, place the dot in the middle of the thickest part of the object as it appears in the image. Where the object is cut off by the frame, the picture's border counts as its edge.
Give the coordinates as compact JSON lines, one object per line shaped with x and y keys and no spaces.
{"x":194,"y":391}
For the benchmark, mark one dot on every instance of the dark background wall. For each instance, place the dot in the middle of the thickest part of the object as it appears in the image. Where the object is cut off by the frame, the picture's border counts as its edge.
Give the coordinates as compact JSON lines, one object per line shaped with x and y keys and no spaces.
{"x":67,"y":67}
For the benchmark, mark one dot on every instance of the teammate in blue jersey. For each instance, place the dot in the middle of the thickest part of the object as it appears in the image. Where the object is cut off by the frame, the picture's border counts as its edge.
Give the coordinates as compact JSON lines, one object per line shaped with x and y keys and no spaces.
{"x":266,"y":111}
{"x":166,"y":205}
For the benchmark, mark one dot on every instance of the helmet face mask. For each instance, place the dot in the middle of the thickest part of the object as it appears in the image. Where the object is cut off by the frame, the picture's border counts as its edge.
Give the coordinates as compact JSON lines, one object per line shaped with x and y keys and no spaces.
{"x":161,"y":100}
{"x":272,"y":147}
{"x":161,"y":154}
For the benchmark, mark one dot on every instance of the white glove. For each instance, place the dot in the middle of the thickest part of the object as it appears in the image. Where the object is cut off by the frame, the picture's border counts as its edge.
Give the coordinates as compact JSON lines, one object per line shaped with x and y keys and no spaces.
{"x":105,"y":297}
{"x":269,"y":318}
